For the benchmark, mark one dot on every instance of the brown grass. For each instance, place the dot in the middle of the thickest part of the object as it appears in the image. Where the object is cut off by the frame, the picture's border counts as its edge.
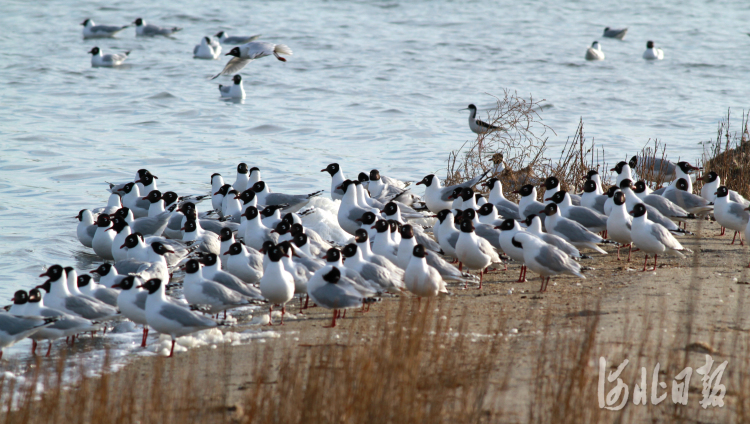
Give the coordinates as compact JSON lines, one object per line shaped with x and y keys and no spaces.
{"x":729,"y":154}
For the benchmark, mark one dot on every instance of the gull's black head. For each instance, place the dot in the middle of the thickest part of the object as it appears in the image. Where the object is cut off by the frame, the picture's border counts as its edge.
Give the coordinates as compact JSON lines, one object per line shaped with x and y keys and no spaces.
{"x":686,"y":167}
{"x":633,"y":162}
{"x":526,"y":190}
{"x":591,"y":173}
{"x":619,"y":198}
{"x":146,"y":179}
{"x":508,"y":225}
{"x":333,"y":255}
{"x":468,"y":214}
{"x":35,"y":296}
{"x":456,"y":193}
{"x":345,"y":185}
{"x":382,"y":226}
{"x":559,"y":196}
{"x":235,"y":249}
{"x":95,"y":51}
{"x":368,"y":218}
{"x":332,"y":169}
{"x":490,"y":183}
{"x":219,"y":34}
{"x":169,"y":197}
{"x":83,"y":280}
{"x":374,"y":175}
{"x":467,"y":226}
{"x":247,"y":196}
{"x":419,"y":251}
{"x":640,"y":186}
{"x":251,"y":213}
{"x":160,"y":249}
{"x":362,"y":177}
{"x":443,"y":214}
{"x":639,"y":210}
{"x":237,"y":79}
{"x":391,"y":208}
{"x":126,"y":283}
{"x":300,"y":239}
{"x":332,"y":276}
{"x":393,"y":225}
{"x":127,"y":188}
{"x":649,"y":44}
{"x":551,"y":182}
{"x":486,"y":209}
{"x":190,"y":226}
{"x":86,"y":22}
{"x":276,"y":253}
{"x":467,"y":193}
{"x":152,"y":285}
{"x":234,"y":52}
{"x":192,"y":266}
{"x":20,"y":297}
{"x":122,"y":212}
{"x":611,"y":191}
{"x":589,"y":186}
{"x":103,"y":269}
{"x":102,"y":221}
{"x":131,"y":241}
{"x":225,"y":234}
{"x":154,"y":196}
{"x":138,"y":22}
{"x":626,"y":183}
{"x":360,"y":236}
{"x":722,"y":191}
{"x":209,"y":259}
{"x":427,"y":180}
{"x":80,"y":214}
{"x":119,"y":224}
{"x":407,"y":231}
{"x":349,"y":250}
{"x":529,"y":219}
{"x":55,"y":272}
{"x":296,"y":228}
{"x":282,"y":228}
{"x":710,"y":177}
{"x":550,"y":209}
{"x":618,"y":168}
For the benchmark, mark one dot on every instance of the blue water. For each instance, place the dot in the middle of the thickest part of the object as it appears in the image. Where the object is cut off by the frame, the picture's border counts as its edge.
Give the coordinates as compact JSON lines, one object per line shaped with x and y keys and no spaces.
{"x":370,"y":84}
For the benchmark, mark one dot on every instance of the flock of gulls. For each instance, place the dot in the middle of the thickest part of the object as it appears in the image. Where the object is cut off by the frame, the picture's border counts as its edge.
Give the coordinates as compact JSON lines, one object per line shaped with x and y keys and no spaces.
{"x":256,"y":246}
{"x":595,"y":51}
{"x":247,"y":50}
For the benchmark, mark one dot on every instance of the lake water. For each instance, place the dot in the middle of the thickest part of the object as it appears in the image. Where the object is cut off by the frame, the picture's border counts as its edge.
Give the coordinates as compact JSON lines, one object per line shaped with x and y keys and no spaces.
{"x":370,"y":84}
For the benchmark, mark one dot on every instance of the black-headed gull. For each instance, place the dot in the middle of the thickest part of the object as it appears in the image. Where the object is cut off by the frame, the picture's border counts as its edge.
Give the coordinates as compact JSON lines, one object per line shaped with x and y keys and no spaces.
{"x":103,"y":238}
{"x":293,"y":202}
{"x":545,"y":259}
{"x":277,"y":284}
{"x":552,"y":185}
{"x":256,"y":233}
{"x":631,"y":199}
{"x":207,"y":49}
{"x":711,"y":183}
{"x":144,"y":29}
{"x":201,"y":291}
{"x":108,"y":275}
{"x":730,"y":214}
{"x":420,"y":278}
{"x":650,"y":237}
{"x":592,"y":198}
{"x":169,"y":317}
{"x":234,"y":91}
{"x":91,"y":288}
{"x":447,"y":234}
{"x":505,"y":207}
{"x":534,"y":226}
{"x":86,"y":228}
{"x":248,"y":52}
{"x":206,"y":241}
{"x":652,"y":53}
{"x":14,"y":328}
{"x":618,"y":33}
{"x":478,"y":126}
{"x":692,"y":203}
{"x":619,"y":224}
{"x":132,"y":302}
{"x":337,"y":179}
{"x":106,"y":60}
{"x":224,"y":38}
{"x":92,"y":30}
{"x":386,"y":280}
{"x":329,"y":289}
{"x":244,"y":263}
{"x":510,"y":228}
{"x":594,"y":52}
{"x":528,"y":205}
{"x":589,"y":218}
{"x":350,"y":212}
{"x":475,"y":252}
{"x":623,"y":171}
{"x":59,"y":297}
{"x":573,"y":232}
{"x":437,"y":197}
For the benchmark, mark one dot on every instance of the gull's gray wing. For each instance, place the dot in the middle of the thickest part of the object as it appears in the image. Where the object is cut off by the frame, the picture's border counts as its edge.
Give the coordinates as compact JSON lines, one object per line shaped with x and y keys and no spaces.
{"x":195,"y":52}
{"x":215,"y":226}
{"x":233,"y":66}
{"x":108,"y":296}
{"x":222,"y":294}
{"x":656,"y":216}
{"x":509,"y":210}
{"x":17,"y":326}
{"x":446,"y":270}
{"x":356,"y":213}
{"x":106,"y":29}
{"x":739,"y":211}
{"x":241,"y":40}
{"x":140,"y":300}
{"x":535,"y":208}
{"x":683,"y":199}
{"x":280,"y":199}
{"x":335,"y":296}
{"x":665,"y":237}
{"x":426,"y":240}
{"x":560,"y":243}
{"x":233,"y":283}
{"x":575,"y":232}
{"x":453,"y":239}
{"x":599,"y":203}
{"x":445,"y":192}
{"x":665,"y":205}
{"x":587,"y":217}
{"x":154,"y":225}
{"x":185,"y":317}
{"x":89,"y":309}
{"x":556,"y":260}
{"x":91,"y":230}
{"x":490,"y":234}
{"x":225,"y":88}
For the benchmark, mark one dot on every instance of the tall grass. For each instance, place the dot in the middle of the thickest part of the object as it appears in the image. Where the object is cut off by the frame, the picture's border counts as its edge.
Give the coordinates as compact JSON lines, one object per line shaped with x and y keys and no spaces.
{"x":729,"y":154}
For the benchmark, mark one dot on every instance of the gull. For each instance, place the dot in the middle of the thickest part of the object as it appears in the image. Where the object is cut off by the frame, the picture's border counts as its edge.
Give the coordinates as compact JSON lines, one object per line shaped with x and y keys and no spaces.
{"x":106,"y":60}
{"x":681,"y":170}
{"x":113,"y":204}
{"x":392,"y":212}
{"x":545,"y":259}
{"x":478,"y":126}
{"x":68,"y":325}
{"x":475,"y":252}
{"x":216,"y":182}
{"x":421,"y":279}
{"x":681,"y":197}
{"x":363,"y":246}
{"x":624,"y":172}
{"x":200,"y":291}
{"x":133,"y":200}
{"x":383,"y":186}
{"x":650,"y":237}
{"x":485,"y":231}
{"x":234,"y":91}
{"x":86,"y":228}
{"x":277,"y":284}
{"x":313,"y":238}
{"x":631,"y":199}
{"x":13,"y":328}
{"x":92,"y":30}
{"x":256,"y":233}
{"x":593,"y":175}
{"x":349,"y":211}
{"x":594,"y":52}
{"x":153,"y":263}
{"x":730,"y":214}
{"x":448,"y":233}
{"x":224,"y":38}
{"x":505,"y":207}
{"x":337,"y":179}
{"x":609,"y":202}
{"x":618,"y":33}
{"x":102,"y":241}
{"x":619,"y":225}
{"x":206,"y":241}
{"x":652,"y":53}
{"x":113,"y":188}
{"x":293,"y":202}
{"x":244,"y":263}
{"x":591,"y":198}
{"x":446,"y":270}
{"x":509,"y":228}
{"x":385,"y":279}
{"x":487,"y":214}
{"x":589,"y":218}
{"x":242,"y":179}
{"x":157,"y":203}
{"x":552,"y":185}
{"x":91,"y":288}
{"x":711,"y":183}
{"x":528,"y":204}
{"x":328,"y":289}
{"x":271,"y":216}
{"x":169,"y":317}
{"x":59,"y":297}
{"x":383,"y":244}
{"x":572,"y":231}
{"x":367,"y":288}
{"x":248,"y":52}
{"x":149,"y":30}
{"x":437,"y":197}
{"x":534,"y":226}
{"x":108,"y":276}
{"x":207,"y":50}
{"x":132,"y":302}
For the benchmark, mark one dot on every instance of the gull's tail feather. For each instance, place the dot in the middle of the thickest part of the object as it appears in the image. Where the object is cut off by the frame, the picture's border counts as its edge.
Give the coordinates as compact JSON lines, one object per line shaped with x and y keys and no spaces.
{"x":282,"y":49}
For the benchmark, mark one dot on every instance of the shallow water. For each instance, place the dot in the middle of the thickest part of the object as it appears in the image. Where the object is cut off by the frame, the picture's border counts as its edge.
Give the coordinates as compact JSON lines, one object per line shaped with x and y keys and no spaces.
{"x":370,"y":84}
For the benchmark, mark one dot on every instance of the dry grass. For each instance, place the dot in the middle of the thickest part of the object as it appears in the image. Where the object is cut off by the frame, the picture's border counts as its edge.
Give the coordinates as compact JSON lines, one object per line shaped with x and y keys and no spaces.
{"x":729,"y":154}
